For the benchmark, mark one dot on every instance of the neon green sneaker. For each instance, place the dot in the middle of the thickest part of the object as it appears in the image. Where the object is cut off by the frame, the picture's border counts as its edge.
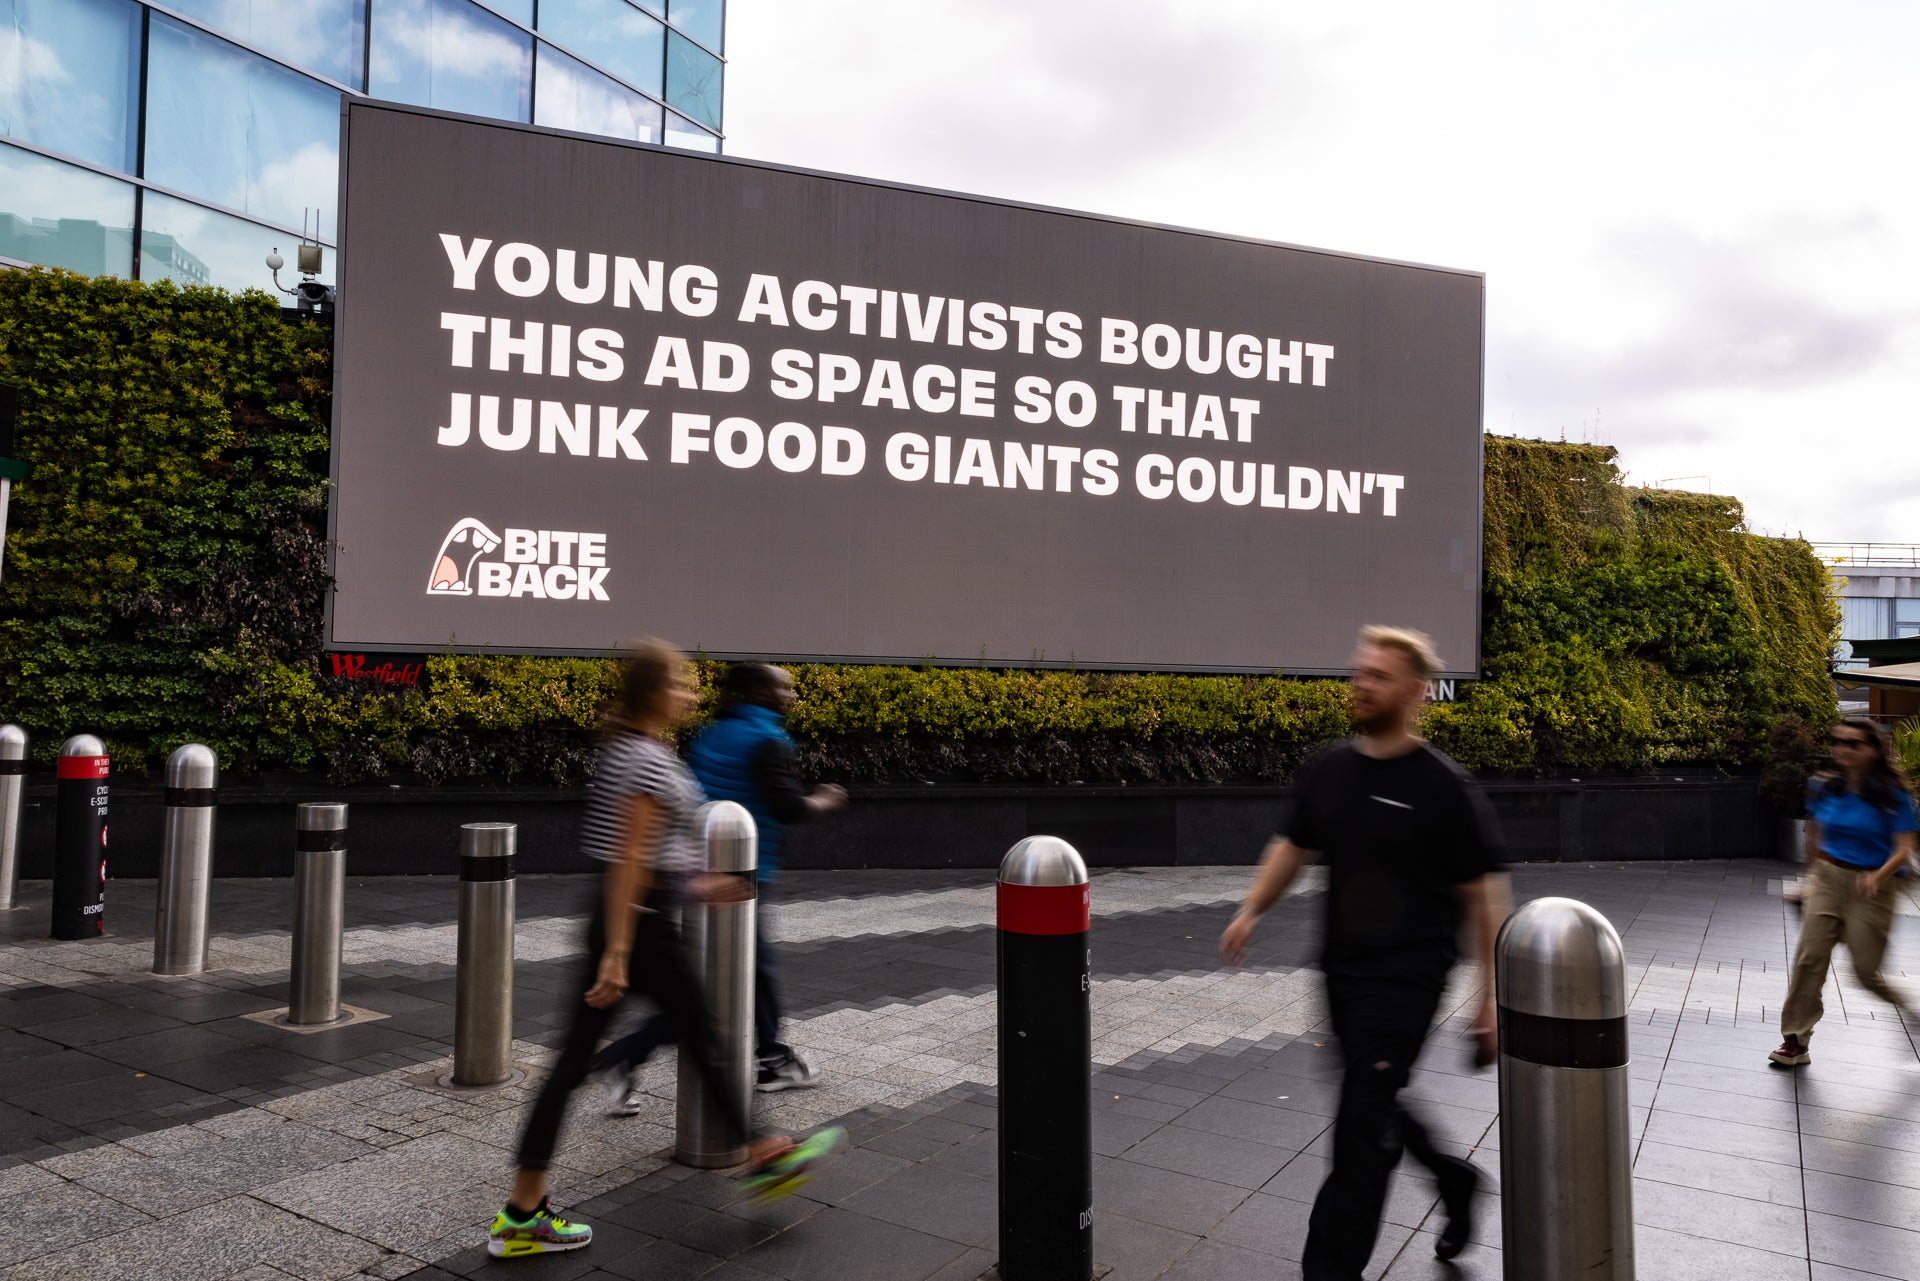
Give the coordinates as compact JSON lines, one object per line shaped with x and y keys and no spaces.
{"x":544,"y":1233}
{"x":784,"y":1174}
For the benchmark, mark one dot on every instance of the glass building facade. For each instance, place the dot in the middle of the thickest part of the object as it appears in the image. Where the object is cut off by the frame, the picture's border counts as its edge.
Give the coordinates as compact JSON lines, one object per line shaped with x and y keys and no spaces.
{"x":183,"y":139}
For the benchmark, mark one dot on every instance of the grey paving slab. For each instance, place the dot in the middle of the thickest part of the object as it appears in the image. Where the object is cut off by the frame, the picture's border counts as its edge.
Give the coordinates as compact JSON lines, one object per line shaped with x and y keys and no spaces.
{"x":144,"y":1103}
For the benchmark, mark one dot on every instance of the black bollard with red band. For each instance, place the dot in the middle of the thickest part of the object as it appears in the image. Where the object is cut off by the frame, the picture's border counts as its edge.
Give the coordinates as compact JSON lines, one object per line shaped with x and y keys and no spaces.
{"x":1046,"y":1063}
{"x":80,"y":839}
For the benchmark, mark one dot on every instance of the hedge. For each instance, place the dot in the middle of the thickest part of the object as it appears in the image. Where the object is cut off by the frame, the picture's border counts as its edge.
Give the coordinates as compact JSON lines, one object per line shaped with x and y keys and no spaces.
{"x":165,"y":575}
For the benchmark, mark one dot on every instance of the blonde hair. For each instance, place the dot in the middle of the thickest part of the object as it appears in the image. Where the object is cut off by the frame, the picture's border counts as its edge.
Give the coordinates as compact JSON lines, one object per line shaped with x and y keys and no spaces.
{"x":647,"y":667}
{"x":1415,"y":647}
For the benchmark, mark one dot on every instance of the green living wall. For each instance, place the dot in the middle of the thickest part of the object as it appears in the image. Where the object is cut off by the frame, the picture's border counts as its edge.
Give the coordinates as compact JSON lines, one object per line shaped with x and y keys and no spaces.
{"x":165,"y":574}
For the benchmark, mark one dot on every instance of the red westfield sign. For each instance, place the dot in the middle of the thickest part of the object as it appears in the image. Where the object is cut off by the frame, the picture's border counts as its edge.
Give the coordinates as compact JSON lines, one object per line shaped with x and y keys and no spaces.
{"x":389,"y":670}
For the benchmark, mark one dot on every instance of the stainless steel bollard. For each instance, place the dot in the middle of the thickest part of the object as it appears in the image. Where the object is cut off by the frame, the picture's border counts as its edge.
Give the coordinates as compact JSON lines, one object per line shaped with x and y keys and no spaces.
{"x":483,"y":983}
{"x":186,"y":862}
{"x":720,"y":936}
{"x":319,"y":907}
{"x":13,"y":787}
{"x":1566,"y":1162}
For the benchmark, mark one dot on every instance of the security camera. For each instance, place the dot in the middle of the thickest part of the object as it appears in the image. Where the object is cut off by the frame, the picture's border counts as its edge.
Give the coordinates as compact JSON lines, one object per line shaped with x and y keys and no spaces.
{"x":314,"y":297}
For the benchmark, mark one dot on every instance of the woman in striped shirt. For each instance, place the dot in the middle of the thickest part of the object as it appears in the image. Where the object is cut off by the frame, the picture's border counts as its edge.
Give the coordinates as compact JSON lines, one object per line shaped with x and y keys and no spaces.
{"x":639,"y":822}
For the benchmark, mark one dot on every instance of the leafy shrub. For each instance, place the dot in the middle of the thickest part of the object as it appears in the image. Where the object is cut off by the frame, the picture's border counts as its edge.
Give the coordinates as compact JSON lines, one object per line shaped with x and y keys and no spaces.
{"x":165,"y":576}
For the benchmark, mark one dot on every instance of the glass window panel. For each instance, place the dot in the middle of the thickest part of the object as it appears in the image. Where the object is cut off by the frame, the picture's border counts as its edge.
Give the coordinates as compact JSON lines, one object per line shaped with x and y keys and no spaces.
{"x":704,"y":20}
{"x":327,"y":37}
{"x":693,"y":81}
{"x":236,"y":129}
{"x":182,"y":242}
{"x":1866,"y":617}
{"x":1906,"y":609}
{"x":685,"y":133}
{"x":59,"y":215}
{"x":67,"y":73}
{"x":452,"y":55}
{"x":573,"y":96}
{"x":521,"y":11}
{"x":614,"y":34}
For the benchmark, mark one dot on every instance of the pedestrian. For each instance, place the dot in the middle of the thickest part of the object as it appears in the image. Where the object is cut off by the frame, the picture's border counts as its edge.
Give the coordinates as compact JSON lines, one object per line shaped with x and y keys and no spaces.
{"x":640,"y":823}
{"x":746,"y":755}
{"x":1412,"y":856}
{"x":1861,"y":821}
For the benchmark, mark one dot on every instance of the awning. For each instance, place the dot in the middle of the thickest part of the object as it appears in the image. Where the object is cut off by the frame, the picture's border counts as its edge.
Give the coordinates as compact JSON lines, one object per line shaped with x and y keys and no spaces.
{"x":1892,"y":676}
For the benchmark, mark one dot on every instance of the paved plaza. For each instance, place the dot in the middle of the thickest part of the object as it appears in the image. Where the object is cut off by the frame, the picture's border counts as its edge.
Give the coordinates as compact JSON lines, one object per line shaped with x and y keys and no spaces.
{"x":155,"y":1127}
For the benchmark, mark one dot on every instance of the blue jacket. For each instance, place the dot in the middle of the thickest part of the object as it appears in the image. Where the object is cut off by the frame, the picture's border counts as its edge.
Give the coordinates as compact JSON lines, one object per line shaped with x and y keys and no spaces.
{"x":726,"y":757}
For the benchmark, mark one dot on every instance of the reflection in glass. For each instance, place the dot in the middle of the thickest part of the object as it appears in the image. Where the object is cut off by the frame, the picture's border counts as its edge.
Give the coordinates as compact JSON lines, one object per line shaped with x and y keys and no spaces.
{"x":693,"y":80}
{"x":238,"y":130}
{"x":684,"y":133}
{"x":573,"y":96}
{"x":189,"y":245}
{"x":704,"y":20}
{"x":521,"y":11}
{"x":67,"y":69}
{"x":326,"y":37}
{"x":59,"y":215}
{"x":613,"y":33}
{"x":453,"y":55}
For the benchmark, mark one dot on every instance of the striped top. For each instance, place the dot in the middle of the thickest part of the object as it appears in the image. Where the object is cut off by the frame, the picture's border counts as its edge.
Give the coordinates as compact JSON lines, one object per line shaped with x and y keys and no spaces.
{"x":632,"y":765}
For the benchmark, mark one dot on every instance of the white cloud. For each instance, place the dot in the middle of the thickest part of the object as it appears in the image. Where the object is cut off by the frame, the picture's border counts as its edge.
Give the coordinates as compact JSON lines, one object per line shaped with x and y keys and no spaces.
{"x":1700,"y":223}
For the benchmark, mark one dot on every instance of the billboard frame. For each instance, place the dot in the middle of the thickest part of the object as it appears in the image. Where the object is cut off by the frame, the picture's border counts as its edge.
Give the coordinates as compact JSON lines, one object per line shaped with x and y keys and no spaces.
{"x":343,"y":303}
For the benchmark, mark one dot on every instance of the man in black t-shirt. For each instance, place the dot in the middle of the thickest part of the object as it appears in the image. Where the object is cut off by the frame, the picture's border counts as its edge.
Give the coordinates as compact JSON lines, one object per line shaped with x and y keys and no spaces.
{"x":1412,"y":856}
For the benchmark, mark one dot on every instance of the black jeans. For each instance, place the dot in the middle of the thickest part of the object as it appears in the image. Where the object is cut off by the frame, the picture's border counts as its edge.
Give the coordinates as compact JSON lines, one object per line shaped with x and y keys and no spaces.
{"x":1381,"y":1024}
{"x":768,"y":1048}
{"x":660,"y":969}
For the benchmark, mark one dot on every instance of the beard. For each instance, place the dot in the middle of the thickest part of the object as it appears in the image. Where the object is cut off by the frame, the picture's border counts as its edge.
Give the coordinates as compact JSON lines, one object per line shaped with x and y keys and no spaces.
{"x":1385,"y":720}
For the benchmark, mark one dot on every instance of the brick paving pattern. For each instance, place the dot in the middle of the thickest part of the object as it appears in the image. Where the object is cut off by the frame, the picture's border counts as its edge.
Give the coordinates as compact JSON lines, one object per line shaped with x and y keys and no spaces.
{"x":149,"y":1128}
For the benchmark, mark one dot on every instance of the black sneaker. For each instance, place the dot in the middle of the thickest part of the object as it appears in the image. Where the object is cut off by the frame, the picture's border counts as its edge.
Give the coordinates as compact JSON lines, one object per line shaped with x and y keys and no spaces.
{"x":790,"y":1073}
{"x":1456,"y":1194}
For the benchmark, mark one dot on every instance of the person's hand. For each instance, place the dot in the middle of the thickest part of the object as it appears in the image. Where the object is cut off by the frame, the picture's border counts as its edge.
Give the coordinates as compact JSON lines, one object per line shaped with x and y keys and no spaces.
{"x":1868,"y":884}
{"x":1233,"y":939}
{"x":718,"y":887}
{"x":610,"y":984}
{"x":1486,"y":1035}
{"x":829,"y":797}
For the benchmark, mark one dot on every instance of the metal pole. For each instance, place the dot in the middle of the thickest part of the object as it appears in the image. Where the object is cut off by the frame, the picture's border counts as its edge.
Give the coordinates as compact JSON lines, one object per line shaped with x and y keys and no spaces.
{"x":720,"y":936}
{"x":319,"y":909}
{"x":1566,"y":1163}
{"x":186,"y":862}
{"x":13,"y":786}
{"x":483,"y":982}
{"x":80,"y":839}
{"x":1044,"y":968}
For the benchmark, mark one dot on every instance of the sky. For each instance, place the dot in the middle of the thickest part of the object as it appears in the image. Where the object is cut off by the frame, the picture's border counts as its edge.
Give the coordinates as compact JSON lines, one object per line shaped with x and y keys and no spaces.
{"x":1699,"y":222}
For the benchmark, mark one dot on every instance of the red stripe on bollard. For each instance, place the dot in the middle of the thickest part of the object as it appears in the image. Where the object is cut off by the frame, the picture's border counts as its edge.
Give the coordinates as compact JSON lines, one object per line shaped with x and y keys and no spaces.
{"x":80,"y":767}
{"x":1042,"y":909}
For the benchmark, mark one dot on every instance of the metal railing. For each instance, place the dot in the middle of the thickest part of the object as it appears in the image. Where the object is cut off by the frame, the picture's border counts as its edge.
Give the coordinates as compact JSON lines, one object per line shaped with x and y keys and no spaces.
{"x":1869,"y":555}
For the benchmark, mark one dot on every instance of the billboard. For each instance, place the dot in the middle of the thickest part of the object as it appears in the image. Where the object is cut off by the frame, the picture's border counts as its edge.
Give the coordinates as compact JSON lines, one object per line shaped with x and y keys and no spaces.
{"x":587,"y":390}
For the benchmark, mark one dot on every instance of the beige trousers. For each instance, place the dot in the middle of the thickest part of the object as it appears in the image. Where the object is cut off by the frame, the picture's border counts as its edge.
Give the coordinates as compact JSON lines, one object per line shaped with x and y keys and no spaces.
{"x":1833,"y":914}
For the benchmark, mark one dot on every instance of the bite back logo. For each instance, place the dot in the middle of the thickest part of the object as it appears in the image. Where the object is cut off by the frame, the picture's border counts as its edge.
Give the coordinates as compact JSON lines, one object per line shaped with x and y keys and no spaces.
{"x":547,"y":564}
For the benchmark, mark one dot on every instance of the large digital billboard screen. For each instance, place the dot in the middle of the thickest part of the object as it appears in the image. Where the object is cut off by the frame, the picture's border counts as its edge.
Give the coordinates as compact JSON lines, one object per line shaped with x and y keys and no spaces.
{"x":588,"y":390}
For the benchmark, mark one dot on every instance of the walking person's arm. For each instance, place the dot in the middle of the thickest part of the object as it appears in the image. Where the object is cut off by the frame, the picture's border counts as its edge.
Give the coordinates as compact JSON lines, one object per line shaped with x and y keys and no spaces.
{"x":781,"y":790}
{"x":1279,"y":864}
{"x":1871,"y":883}
{"x":1487,"y":904}
{"x":628,"y":880}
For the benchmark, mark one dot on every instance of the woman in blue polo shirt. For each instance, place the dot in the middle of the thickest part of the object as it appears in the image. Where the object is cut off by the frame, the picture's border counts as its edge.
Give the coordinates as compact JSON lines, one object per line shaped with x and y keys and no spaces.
{"x":1862,"y":835}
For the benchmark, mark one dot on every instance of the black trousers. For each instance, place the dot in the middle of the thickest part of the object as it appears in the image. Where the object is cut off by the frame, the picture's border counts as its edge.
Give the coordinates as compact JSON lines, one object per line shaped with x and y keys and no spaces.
{"x":768,"y":1048}
{"x":660,"y":969}
{"x":1381,"y":1024}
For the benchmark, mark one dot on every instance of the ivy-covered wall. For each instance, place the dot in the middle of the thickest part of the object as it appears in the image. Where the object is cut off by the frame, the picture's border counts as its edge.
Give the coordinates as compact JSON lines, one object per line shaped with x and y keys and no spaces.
{"x":165,"y":573}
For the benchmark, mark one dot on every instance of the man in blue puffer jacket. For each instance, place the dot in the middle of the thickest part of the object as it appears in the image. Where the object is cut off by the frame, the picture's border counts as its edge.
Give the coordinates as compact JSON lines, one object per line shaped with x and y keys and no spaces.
{"x":745,"y":755}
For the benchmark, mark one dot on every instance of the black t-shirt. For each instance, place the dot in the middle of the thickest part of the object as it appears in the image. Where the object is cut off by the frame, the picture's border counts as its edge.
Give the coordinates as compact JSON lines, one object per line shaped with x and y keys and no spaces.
{"x":1398,"y":837}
